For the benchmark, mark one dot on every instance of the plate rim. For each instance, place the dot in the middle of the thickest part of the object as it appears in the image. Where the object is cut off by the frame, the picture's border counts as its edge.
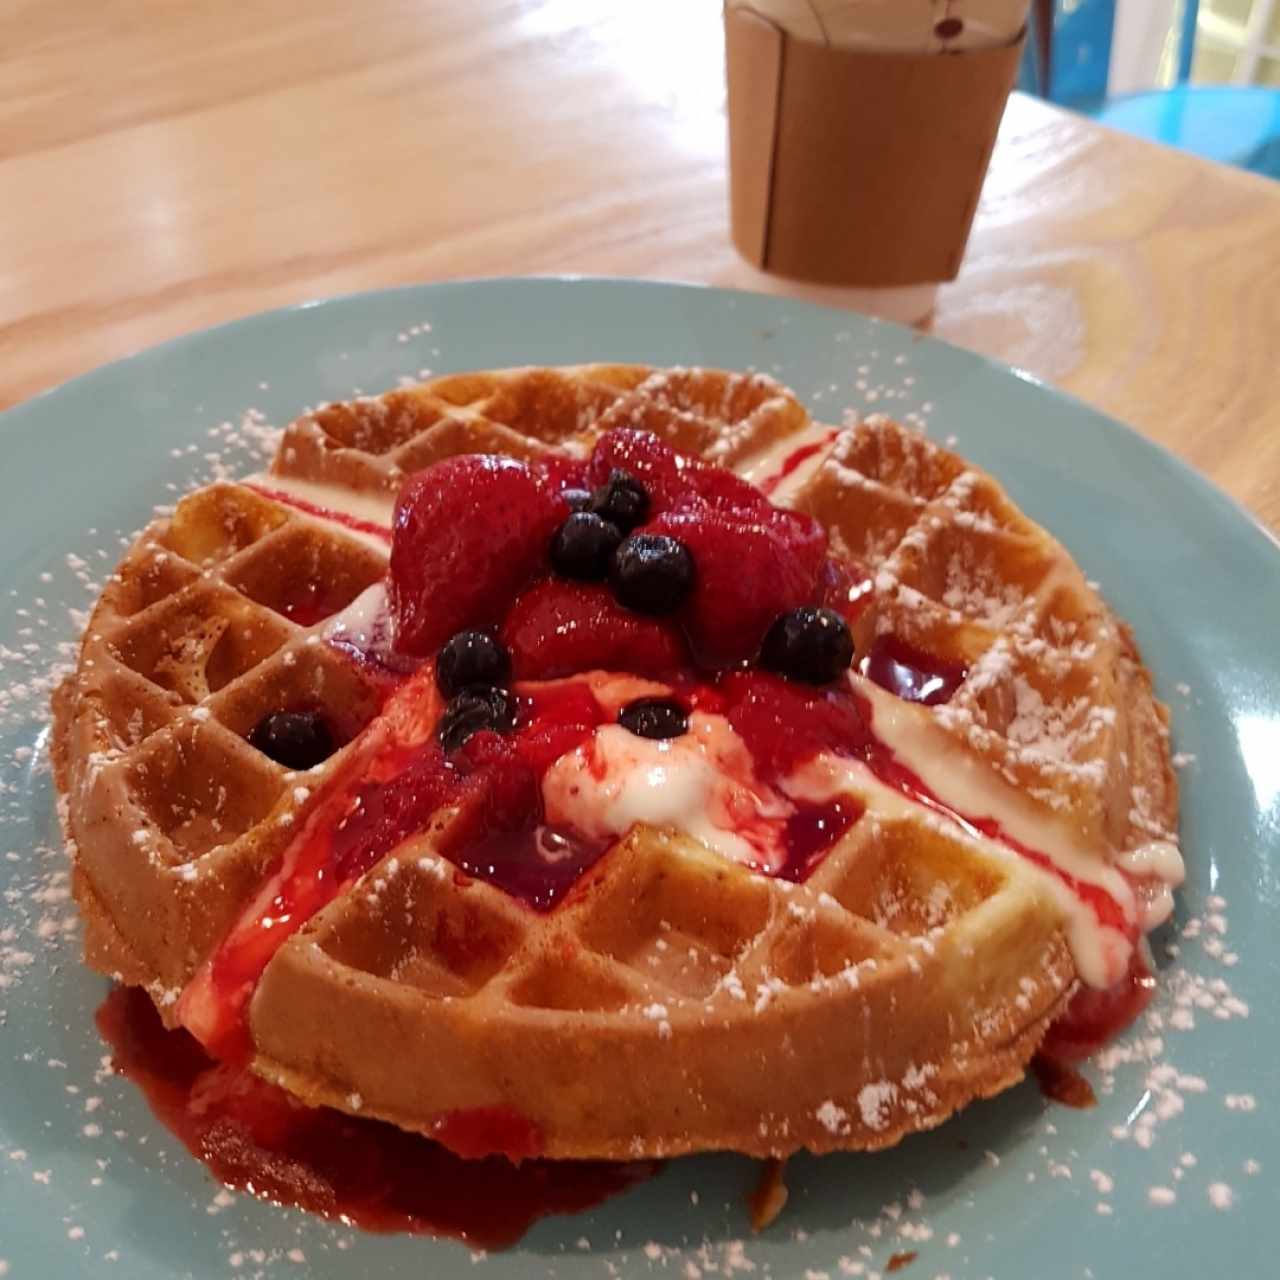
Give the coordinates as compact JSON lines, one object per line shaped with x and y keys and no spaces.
{"x":1163,"y":452}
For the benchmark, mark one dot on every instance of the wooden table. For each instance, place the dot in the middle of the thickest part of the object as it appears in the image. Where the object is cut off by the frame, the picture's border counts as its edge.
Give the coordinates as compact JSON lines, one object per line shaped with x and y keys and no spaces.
{"x":168,"y":164}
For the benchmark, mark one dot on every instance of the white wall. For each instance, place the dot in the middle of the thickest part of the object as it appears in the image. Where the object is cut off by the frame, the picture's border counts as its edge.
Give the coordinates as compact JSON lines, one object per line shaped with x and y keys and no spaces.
{"x":1138,"y":43}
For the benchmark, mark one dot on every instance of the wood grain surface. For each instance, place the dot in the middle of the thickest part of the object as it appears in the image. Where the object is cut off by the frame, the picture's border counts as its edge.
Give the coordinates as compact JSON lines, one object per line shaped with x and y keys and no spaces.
{"x":168,"y":164}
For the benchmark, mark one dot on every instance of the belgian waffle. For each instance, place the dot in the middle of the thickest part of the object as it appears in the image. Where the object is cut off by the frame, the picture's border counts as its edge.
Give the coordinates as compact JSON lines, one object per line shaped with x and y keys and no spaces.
{"x":676,"y":1001}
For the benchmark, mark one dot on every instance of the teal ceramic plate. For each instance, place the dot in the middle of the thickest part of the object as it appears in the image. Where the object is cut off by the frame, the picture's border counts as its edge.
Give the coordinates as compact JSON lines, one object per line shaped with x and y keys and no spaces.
{"x":1176,"y":1173}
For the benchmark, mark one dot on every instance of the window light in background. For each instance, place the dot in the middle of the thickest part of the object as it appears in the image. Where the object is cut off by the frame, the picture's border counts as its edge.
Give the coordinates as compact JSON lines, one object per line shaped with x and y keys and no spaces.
{"x":1132,"y":64}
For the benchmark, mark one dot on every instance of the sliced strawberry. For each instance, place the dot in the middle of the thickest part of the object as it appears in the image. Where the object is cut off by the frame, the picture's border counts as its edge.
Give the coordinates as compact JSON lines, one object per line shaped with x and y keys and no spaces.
{"x":748,"y":569}
{"x":560,"y":716}
{"x":560,"y":628}
{"x":785,"y":724}
{"x":468,"y":533}
{"x":561,"y":471}
{"x":725,"y":491}
{"x":671,"y":478}
{"x":653,"y":462}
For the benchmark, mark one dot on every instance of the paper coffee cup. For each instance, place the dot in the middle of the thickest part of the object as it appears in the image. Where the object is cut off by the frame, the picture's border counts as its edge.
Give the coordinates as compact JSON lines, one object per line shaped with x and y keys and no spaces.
{"x":860,"y":131}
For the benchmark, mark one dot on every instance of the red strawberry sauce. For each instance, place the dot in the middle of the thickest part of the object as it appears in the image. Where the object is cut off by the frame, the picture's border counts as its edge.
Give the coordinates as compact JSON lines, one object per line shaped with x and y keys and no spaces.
{"x":1096,"y":1017}
{"x":911,"y":673}
{"x":254,"y":1137}
{"x":309,"y":605}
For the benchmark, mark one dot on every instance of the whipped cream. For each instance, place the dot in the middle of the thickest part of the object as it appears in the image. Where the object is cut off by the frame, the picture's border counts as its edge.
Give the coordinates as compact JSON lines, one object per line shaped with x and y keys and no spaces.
{"x":701,"y":783}
{"x":365,"y":625}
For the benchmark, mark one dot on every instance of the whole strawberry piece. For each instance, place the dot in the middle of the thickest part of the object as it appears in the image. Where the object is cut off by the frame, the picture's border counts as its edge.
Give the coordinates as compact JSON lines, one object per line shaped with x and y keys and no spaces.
{"x":560,"y":471}
{"x":670,"y":478}
{"x":648,"y":461}
{"x":468,"y":534}
{"x":721,"y":489}
{"x":750,"y":568}
{"x":784,"y":723}
{"x":558,"y":628}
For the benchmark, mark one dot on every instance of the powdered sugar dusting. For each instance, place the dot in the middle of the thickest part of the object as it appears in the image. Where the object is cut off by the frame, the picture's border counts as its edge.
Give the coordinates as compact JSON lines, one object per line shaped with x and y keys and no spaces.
{"x":833,"y":1118}
{"x":874,"y":1101}
{"x":1221,"y":1196}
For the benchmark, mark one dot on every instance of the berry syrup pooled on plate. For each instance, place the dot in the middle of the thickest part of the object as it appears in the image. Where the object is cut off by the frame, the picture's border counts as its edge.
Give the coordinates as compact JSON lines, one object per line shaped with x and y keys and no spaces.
{"x":567,"y":648}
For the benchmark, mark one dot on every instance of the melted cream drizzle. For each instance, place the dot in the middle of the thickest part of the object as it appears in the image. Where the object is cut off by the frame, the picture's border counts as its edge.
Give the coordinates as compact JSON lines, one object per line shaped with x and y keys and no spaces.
{"x":369,"y":508}
{"x":1101,"y":954}
{"x":365,"y":623}
{"x":772,"y":462}
{"x":968,"y":785}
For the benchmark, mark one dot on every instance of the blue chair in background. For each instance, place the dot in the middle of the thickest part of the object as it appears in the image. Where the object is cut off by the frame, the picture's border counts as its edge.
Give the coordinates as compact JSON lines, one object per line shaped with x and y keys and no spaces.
{"x":1068,"y":60}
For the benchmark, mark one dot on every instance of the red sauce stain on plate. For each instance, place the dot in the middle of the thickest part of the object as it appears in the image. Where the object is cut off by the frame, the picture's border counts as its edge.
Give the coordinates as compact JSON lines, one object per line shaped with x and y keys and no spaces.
{"x":254,"y":1137}
{"x":1094,"y":1018}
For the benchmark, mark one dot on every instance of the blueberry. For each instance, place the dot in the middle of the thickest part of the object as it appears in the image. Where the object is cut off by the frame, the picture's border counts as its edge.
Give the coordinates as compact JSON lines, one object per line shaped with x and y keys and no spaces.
{"x":622,"y":500}
{"x":810,"y":645}
{"x":471,"y":657}
{"x":480,"y":706}
{"x":583,"y":546}
{"x":295,"y":739}
{"x":577,"y":499}
{"x":652,"y":573}
{"x":654,"y":718}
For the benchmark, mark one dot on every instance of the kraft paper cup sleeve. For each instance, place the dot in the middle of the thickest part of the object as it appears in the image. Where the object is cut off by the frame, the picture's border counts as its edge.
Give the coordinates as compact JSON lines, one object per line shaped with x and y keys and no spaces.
{"x":857,"y":166}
